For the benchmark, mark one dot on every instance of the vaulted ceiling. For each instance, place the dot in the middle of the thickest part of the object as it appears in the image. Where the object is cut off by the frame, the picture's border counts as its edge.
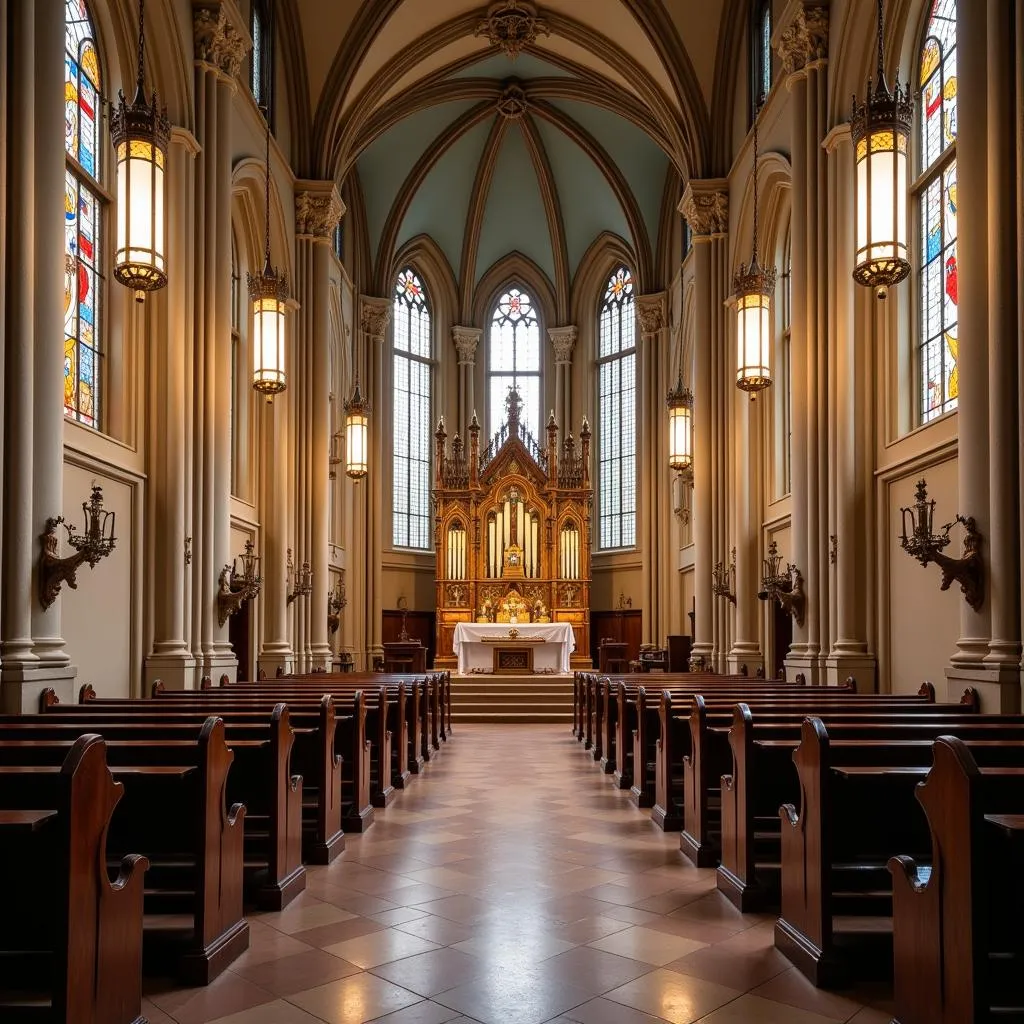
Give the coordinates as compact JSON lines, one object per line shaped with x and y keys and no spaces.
{"x":442,"y":132}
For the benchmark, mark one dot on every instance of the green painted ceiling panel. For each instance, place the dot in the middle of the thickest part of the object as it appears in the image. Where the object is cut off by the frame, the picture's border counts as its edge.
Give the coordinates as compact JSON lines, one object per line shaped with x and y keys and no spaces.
{"x":500,"y":67}
{"x":514,"y":215}
{"x":387,"y":162}
{"x":639,"y":158}
{"x":440,"y":206}
{"x":588,"y":204}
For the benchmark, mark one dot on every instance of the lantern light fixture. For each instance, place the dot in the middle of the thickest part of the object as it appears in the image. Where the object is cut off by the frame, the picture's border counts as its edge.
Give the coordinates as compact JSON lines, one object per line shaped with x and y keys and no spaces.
{"x":357,"y":433}
{"x":268,"y":292}
{"x":753,"y":286}
{"x":141,"y":134}
{"x":680,"y":427}
{"x":880,"y":130}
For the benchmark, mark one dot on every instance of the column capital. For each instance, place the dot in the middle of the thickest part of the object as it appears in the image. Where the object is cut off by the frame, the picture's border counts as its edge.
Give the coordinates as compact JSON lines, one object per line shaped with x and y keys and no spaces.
{"x":220,"y":35}
{"x":650,"y":314}
{"x":839,"y":136}
{"x":802,"y":36}
{"x":563,"y":341}
{"x":465,"y":340}
{"x":186,"y":140}
{"x":318,"y":208}
{"x":705,"y":205}
{"x":374,"y":316}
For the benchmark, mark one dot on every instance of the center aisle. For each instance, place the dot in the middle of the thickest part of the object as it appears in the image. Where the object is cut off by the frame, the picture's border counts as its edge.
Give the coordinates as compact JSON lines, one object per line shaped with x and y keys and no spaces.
{"x":511,"y":884}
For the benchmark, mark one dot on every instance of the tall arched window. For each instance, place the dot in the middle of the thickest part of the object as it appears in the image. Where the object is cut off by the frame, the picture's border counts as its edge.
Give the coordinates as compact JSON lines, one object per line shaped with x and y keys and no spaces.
{"x":262,"y":58}
{"x":84,"y":236}
{"x":935,"y":190}
{"x":760,"y":53}
{"x":514,"y":359}
{"x":411,"y":464}
{"x":616,"y":372}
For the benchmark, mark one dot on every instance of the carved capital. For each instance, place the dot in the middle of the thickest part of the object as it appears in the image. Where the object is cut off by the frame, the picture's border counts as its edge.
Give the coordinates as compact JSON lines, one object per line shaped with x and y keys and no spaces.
{"x":466,"y":340}
{"x":220,"y":35}
{"x":563,"y":341}
{"x":802,"y":37}
{"x":512,"y":24}
{"x":374,"y":316}
{"x":705,"y":205}
{"x":318,"y":208}
{"x":650,"y":314}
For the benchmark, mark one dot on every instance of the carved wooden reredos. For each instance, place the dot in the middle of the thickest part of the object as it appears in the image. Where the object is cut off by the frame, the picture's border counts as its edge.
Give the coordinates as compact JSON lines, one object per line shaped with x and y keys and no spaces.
{"x":512,"y":525}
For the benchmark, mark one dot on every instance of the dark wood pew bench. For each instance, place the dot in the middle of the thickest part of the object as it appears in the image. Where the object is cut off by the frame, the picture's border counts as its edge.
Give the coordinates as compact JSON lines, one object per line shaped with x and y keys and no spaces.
{"x":957,"y":947}
{"x":858,"y":809}
{"x":194,"y":920}
{"x":70,"y":934}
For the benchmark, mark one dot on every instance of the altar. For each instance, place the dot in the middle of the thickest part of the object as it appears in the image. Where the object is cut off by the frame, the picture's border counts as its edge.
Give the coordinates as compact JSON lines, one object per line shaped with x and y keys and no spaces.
{"x":551,"y":644}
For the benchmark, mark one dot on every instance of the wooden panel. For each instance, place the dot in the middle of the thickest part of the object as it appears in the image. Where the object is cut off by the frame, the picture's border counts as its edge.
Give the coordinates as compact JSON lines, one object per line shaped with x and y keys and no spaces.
{"x":623,"y":627}
{"x":419,"y":626}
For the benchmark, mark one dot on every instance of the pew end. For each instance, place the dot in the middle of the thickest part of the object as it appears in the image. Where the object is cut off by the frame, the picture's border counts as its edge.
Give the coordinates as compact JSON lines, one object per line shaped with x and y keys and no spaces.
{"x":48,"y":699}
{"x":86,"y":693}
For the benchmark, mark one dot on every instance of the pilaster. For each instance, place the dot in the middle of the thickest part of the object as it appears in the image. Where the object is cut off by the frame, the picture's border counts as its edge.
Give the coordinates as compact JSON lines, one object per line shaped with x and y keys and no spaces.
{"x":466,"y":340}
{"x":563,"y":341}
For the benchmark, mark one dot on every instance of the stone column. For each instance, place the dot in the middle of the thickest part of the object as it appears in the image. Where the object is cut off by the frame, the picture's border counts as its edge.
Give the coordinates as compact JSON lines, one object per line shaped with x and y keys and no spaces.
{"x":802,"y":43}
{"x":374,"y":317}
{"x":318,"y":208}
{"x":170,"y":659}
{"x":563,"y":341}
{"x":466,"y":340}
{"x":705,"y":205}
{"x":851,"y":471}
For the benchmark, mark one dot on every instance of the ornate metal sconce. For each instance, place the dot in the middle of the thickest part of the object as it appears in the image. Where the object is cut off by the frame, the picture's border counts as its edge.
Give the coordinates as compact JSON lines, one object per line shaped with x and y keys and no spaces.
{"x":238,"y":587}
{"x":336,"y":601}
{"x":925,"y":546}
{"x":722,"y":577}
{"x":300,"y":583}
{"x":95,"y":542}
{"x":787,"y":588}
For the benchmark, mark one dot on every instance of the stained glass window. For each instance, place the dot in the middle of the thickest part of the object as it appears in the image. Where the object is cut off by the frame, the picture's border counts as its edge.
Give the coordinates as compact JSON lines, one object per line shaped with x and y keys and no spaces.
{"x":83,"y":219}
{"x":411,"y":463}
{"x":616,"y":371}
{"x":760,"y":52}
{"x":262,"y":57}
{"x":938,"y":347}
{"x":514,"y":359}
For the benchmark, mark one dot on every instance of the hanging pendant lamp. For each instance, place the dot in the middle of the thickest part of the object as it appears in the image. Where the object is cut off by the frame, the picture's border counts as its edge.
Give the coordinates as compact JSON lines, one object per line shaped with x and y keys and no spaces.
{"x":680,"y":427}
{"x":141,"y":134}
{"x":269,"y":294}
{"x":880,"y":129}
{"x":753,"y":286}
{"x":357,"y":433}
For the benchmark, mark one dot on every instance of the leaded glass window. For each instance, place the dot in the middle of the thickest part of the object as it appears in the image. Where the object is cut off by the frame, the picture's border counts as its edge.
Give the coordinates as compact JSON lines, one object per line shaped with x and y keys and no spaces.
{"x":760,"y":53}
{"x":616,"y":372}
{"x":84,"y":241}
{"x":411,"y":462}
{"x":514,"y":359}
{"x":938,"y":346}
{"x":262,"y":57}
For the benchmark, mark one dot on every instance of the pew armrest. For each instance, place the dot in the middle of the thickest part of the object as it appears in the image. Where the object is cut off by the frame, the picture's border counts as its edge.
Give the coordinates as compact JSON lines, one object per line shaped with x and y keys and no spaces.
{"x":788,"y":814}
{"x":905,"y":870}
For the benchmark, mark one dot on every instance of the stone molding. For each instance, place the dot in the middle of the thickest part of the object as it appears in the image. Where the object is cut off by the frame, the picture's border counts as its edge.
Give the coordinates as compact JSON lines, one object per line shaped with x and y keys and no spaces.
{"x":802,"y":37}
{"x":705,"y":205}
{"x":220,"y":35}
{"x":374,"y":316}
{"x":650,"y":314}
{"x":318,"y":208}
{"x":511,"y":25}
{"x":563,"y":341}
{"x":466,"y":340}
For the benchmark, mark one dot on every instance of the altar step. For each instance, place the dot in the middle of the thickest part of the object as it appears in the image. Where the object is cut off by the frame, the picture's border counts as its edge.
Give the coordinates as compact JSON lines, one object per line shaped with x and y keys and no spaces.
{"x":512,"y":698}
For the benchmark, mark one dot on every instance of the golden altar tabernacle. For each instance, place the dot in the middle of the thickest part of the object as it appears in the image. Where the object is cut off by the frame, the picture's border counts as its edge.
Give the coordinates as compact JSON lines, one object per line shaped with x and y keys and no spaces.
{"x":512,"y":526}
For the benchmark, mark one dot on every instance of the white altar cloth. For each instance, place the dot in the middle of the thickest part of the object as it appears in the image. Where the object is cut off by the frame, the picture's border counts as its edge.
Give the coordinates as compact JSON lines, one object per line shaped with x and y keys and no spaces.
{"x":550,"y":656}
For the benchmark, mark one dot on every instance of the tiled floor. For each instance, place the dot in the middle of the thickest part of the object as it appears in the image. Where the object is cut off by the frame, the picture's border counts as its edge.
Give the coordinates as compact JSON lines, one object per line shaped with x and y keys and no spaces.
{"x":511,"y":884}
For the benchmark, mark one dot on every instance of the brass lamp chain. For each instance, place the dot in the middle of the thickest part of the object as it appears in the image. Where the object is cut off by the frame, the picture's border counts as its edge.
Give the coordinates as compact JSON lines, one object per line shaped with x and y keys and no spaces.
{"x":266,"y":198}
{"x":757,"y":115}
{"x":142,"y":38}
{"x":881,"y":44}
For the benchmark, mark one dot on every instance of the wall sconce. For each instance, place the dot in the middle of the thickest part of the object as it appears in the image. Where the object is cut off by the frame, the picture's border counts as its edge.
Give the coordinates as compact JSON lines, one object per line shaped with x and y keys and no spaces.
{"x":927,"y":547}
{"x":336,"y":601}
{"x":787,"y":588}
{"x":235,"y":588}
{"x":95,"y":542}
{"x":624,"y":602}
{"x":300,"y":583}
{"x":721,"y":585}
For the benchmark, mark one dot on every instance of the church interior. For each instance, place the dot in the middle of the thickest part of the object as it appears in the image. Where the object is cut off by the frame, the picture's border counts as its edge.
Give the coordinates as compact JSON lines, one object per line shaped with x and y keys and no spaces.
{"x":508,"y":535}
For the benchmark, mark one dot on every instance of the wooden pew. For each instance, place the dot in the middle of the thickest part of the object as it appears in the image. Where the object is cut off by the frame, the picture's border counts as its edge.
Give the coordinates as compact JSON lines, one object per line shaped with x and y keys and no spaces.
{"x":193,"y":897}
{"x":857,"y":810}
{"x":261,"y":779}
{"x":958,"y":954}
{"x":66,"y":931}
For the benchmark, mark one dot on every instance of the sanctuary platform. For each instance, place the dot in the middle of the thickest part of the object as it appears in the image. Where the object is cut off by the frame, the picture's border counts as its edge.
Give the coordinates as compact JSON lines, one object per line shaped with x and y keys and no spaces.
{"x":511,"y":698}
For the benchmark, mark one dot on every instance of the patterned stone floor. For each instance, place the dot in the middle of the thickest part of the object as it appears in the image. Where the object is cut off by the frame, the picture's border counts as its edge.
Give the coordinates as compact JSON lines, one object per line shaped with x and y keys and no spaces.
{"x":511,"y":888}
